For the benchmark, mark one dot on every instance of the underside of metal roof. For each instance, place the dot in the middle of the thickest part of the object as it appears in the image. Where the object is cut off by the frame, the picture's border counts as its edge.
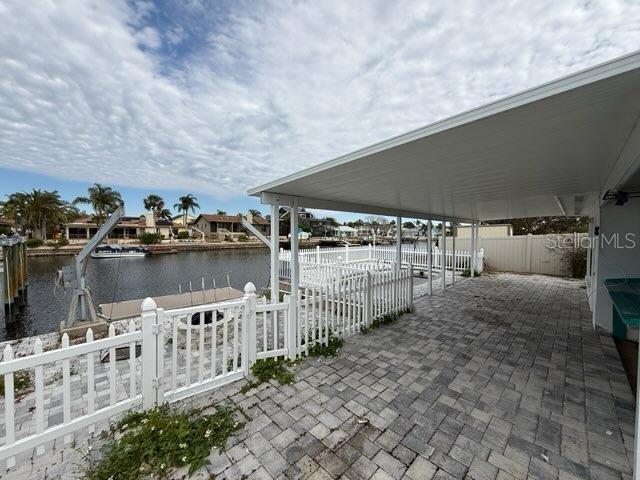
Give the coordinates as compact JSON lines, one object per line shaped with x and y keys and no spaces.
{"x":551,"y":150}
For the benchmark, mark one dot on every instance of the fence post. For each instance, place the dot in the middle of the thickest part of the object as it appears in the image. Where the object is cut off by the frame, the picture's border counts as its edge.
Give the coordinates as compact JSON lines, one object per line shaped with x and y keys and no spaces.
{"x":529,"y":253}
{"x":368,"y":299}
{"x":411,"y":286}
{"x":149,"y":349}
{"x":249,"y":328}
{"x":158,"y":332}
{"x":317,"y":253}
{"x":370,"y":252}
{"x":346,"y":253}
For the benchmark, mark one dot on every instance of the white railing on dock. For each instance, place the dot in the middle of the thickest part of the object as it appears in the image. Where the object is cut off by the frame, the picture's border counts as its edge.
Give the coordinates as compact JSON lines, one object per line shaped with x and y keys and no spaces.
{"x":174,"y":354}
{"x":359,"y":255}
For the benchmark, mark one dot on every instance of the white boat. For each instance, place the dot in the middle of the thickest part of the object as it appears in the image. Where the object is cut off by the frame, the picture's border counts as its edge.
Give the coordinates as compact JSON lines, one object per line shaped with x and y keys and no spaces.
{"x":117,"y":251}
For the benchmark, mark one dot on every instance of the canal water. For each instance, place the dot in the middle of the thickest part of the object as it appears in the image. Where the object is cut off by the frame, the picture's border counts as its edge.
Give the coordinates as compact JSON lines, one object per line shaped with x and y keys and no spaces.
{"x":126,"y":279}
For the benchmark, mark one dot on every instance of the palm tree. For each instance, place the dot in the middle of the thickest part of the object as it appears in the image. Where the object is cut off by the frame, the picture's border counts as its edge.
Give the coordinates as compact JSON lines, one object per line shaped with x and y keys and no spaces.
{"x":154,"y":203}
{"x":254,"y":212}
{"x":165,"y":213}
{"x":186,"y":203}
{"x":39,"y":210}
{"x":221,"y":212}
{"x":103,"y":199}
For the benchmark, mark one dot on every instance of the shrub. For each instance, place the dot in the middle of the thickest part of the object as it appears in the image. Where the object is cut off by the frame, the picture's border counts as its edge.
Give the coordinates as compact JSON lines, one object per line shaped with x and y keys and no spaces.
{"x":575,"y":259}
{"x":243,"y":238}
{"x":149,"y":444}
{"x":148,"y":238}
{"x":183,"y":235}
{"x":34,"y":243}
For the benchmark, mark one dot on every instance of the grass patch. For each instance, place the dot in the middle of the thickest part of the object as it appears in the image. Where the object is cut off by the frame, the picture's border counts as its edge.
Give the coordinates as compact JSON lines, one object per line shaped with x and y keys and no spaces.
{"x":467,"y":273}
{"x":152,"y":443}
{"x":21,"y":382}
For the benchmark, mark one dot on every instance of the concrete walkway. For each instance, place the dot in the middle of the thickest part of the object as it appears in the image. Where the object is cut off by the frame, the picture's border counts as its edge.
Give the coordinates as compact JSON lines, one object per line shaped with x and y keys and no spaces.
{"x":500,"y":377}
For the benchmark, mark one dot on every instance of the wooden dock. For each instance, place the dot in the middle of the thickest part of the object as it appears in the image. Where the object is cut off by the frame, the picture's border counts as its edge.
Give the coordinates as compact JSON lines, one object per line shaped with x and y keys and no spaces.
{"x":133,"y":308}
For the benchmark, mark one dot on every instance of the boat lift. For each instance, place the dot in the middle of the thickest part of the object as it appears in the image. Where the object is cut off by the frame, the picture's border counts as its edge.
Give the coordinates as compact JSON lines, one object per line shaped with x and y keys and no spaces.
{"x":75,"y":276}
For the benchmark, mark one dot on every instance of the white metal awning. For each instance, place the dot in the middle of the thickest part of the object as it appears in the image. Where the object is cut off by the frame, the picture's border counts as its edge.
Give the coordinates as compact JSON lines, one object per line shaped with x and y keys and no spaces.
{"x":550,"y":150}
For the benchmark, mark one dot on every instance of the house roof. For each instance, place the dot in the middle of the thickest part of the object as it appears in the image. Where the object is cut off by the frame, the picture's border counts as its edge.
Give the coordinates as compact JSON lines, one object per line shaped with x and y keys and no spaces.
{"x":550,"y":150}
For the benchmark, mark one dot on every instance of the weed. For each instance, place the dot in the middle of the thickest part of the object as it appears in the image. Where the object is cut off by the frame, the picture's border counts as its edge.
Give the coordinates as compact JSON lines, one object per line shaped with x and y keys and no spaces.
{"x":467,"y":273}
{"x":267,"y":368}
{"x":21,"y":382}
{"x":152,"y":443}
{"x":330,"y":350}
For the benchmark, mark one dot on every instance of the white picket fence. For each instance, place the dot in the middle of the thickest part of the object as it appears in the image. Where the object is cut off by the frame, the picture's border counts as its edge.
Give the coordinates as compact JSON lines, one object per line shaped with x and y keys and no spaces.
{"x":175,"y":354}
{"x":371,"y":257}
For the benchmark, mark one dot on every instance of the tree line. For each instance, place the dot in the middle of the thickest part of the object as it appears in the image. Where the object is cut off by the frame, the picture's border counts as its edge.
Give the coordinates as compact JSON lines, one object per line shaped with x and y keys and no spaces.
{"x":41,"y":212}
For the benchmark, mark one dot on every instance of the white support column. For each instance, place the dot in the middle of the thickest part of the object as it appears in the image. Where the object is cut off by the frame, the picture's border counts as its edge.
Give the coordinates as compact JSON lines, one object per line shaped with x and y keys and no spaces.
{"x":444,"y":255}
{"x":399,"y":242}
{"x":275,"y":253}
{"x":472,"y":266}
{"x":430,"y":255}
{"x":453,"y":256}
{"x":295,"y":283}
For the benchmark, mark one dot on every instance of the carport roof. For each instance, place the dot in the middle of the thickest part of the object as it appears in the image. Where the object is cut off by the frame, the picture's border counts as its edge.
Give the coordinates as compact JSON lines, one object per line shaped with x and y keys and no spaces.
{"x":551,"y":150}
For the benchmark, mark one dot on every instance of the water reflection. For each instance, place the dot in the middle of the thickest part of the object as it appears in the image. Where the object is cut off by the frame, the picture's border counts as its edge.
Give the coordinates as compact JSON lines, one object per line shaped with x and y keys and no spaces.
{"x":113,"y":280}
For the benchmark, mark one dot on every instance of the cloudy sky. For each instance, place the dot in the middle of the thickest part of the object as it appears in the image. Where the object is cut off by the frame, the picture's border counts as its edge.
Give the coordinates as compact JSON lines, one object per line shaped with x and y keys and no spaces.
{"x":215,"y":97}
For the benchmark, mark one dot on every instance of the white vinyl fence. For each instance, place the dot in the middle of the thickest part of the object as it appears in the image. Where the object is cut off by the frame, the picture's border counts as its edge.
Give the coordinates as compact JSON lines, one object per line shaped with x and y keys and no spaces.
{"x":173,"y":354}
{"x":374,"y":258}
{"x":525,"y":253}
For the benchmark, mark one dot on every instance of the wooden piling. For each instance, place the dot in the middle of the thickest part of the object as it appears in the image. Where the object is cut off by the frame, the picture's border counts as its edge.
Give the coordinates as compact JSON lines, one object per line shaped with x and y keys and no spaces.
{"x":14,"y":271}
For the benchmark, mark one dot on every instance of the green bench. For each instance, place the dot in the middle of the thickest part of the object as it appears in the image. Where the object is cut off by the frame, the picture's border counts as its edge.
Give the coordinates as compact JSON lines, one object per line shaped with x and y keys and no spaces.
{"x":625,"y":297}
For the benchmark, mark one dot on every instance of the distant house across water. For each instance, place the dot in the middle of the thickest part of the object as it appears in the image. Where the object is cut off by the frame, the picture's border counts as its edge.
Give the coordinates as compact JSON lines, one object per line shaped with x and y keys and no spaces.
{"x":219,"y":227}
{"x":128,"y":228}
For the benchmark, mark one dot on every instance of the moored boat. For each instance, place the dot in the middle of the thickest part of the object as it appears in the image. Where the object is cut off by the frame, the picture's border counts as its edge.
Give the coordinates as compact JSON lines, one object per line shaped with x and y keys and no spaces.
{"x":118,"y":251}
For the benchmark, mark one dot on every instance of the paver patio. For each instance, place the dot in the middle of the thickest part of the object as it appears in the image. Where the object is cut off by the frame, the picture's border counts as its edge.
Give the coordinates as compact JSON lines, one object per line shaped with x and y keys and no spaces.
{"x":500,"y":377}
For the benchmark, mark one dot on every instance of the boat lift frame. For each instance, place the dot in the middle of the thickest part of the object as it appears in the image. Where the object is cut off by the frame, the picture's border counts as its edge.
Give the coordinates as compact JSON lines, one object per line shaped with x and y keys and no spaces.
{"x":76,"y":274}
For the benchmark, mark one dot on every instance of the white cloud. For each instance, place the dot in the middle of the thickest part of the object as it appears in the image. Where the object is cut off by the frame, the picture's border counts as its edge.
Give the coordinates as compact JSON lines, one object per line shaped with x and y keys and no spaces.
{"x":274,"y":88}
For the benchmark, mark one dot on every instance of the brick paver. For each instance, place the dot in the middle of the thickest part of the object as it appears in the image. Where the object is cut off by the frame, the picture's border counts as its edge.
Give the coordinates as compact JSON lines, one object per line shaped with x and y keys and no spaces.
{"x":500,"y":377}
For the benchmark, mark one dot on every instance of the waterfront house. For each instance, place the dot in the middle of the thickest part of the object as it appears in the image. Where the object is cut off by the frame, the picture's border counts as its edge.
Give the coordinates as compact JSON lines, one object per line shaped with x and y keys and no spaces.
{"x":221,"y":227}
{"x":128,"y":228}
{"x":182,"y":223}
{"x":345,"y":231}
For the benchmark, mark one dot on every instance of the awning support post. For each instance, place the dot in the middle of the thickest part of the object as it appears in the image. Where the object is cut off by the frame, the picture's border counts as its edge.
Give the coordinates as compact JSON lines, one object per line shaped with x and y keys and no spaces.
{"x":430,"y":248}
{"x":399,"y":243}
{"x":275,"y":253}
{"x":473,"y":250}
{"x":295,"y":283}
{"x":453,"y":256}
{"x":444,"y":254}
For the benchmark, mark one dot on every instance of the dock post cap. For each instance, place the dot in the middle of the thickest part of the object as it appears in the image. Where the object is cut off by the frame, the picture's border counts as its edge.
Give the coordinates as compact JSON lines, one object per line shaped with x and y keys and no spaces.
{"x":148,"y":304}
{"x":249,"y":288}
